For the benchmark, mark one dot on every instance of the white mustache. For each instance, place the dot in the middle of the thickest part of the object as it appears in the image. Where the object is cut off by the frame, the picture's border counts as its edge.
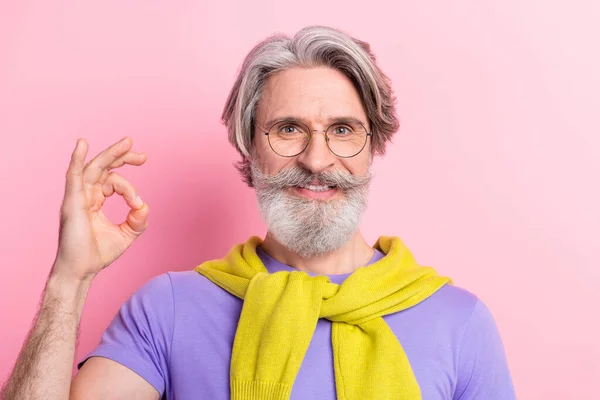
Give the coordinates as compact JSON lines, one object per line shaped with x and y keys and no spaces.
{"x":298,"y":176}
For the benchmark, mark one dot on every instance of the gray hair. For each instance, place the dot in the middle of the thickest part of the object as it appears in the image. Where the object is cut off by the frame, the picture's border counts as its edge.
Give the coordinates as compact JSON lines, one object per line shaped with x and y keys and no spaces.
{"x":313,"y":46}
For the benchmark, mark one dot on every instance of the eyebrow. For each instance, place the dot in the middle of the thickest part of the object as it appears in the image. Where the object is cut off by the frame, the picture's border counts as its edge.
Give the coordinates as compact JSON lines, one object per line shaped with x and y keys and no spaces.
{"x":332,"y":120}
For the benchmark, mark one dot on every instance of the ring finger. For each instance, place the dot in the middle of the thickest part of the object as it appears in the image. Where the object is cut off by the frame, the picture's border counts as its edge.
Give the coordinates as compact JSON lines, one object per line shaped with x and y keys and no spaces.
{"x":116,"y":183}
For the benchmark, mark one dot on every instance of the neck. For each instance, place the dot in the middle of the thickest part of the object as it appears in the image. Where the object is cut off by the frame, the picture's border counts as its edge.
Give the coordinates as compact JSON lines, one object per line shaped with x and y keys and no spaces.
{"x":354,"y":254}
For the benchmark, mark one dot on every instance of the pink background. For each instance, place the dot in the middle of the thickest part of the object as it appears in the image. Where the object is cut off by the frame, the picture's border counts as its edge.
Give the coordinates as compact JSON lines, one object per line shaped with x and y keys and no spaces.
{"x":492,"y":179}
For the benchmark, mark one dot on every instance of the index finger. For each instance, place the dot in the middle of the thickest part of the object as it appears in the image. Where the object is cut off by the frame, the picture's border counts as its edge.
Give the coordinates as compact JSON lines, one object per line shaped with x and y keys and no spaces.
{"x":94,"y":169}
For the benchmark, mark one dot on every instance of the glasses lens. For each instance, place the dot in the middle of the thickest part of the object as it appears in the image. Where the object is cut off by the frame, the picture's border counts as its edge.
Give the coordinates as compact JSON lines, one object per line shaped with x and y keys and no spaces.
{"x":347,"y":140}
{"x":288,"y":139}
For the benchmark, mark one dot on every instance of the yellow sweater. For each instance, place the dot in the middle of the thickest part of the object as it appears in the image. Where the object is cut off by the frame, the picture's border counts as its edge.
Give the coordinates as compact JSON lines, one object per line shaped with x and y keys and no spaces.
{"x":281,"y":310}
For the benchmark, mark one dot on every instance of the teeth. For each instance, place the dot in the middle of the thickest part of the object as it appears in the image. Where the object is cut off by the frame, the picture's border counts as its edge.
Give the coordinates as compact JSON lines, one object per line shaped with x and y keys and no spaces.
{"x":317,"y":188}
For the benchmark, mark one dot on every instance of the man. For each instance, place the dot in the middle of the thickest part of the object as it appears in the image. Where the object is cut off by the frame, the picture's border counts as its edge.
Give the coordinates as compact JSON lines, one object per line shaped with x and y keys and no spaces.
{"x":310,"y":312}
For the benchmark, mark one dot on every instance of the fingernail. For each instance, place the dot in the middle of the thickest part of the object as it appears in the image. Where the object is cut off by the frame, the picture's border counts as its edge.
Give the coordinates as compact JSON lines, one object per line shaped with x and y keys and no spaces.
{"x":138,"y":201}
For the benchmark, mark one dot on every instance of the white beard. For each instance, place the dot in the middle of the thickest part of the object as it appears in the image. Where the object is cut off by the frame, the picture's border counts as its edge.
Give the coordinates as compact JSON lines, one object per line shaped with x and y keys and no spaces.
{"x":310,"y":227}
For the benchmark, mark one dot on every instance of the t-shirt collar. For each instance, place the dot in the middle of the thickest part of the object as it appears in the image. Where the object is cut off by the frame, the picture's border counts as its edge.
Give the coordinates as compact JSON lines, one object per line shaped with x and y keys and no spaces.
{"x":273,"y":265}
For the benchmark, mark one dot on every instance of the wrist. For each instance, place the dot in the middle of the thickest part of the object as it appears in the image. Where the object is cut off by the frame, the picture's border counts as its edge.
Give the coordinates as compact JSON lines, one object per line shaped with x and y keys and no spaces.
{"x":68,"y":274}
{"x":70,"y":290}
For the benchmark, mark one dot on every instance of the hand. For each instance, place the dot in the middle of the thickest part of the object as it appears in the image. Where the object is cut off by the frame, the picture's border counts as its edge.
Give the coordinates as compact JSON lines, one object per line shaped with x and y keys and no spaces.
{"x":88,"y":240}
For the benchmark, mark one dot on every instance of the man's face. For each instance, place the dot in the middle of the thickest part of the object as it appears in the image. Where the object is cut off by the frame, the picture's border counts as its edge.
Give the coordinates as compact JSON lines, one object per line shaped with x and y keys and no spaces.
{"x":316,"y":96}
{"x":312,"y":203}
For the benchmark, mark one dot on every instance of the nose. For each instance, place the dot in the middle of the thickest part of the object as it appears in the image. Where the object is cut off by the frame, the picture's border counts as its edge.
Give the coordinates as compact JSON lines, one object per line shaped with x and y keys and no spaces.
{"x":317,"y":157}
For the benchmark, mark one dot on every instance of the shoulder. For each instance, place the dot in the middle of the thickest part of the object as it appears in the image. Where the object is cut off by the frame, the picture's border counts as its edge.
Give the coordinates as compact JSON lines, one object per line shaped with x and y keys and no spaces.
{"x":455,"y":298}
{"x":456,"y":309}
{"x":443,"y":319}
{"x":450,"y":305}
{"x":177,"y":282}
{"x":188,"y":285}
{"x":154,"y":299}
{"x":454,"y":346}
{"x":159,"y":285}
{"x":197,"y":300}
{"x":464,"y":307}
{"x":478,"y":352}
{"x":175,"y":289}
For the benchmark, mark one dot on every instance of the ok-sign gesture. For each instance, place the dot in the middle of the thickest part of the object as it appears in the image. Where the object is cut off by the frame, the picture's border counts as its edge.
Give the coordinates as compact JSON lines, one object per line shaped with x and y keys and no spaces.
{"x":88,"y":240}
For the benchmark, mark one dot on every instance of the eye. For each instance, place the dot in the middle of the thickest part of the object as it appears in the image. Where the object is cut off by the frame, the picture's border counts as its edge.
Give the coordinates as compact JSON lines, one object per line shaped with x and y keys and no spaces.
{"x":287,"y":129}
{"x":342,"y":130}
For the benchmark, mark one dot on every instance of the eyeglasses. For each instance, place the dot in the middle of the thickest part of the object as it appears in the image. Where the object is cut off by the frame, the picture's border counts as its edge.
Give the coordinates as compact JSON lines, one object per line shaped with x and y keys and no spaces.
{"x":344,"y":139}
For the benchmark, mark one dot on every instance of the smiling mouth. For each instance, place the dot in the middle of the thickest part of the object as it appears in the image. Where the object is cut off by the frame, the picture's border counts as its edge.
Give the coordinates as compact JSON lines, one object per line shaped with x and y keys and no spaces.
{"x":316,"y":192}
{"x":316,"y":188}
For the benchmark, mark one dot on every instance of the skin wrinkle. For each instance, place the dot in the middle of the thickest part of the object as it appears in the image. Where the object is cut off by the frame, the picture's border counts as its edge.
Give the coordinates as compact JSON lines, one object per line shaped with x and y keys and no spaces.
{"x":310,"y":227}
{"x":332,"y":121}
{"x":311,"y":47}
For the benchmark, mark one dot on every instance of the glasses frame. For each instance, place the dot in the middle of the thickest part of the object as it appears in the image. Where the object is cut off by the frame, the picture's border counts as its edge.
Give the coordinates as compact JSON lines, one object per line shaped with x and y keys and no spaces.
{"x":310,"y":135}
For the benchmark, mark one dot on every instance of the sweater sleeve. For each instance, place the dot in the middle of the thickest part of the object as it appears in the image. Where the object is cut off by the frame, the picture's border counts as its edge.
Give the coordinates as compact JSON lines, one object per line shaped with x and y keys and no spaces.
{"x":482,"y":367}
{"x":140,"y":335}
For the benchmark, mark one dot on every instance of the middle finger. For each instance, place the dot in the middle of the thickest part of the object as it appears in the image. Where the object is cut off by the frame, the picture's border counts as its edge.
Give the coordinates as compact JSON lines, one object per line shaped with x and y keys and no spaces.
{"x":129,"y":158}
{"x":94,"y":169}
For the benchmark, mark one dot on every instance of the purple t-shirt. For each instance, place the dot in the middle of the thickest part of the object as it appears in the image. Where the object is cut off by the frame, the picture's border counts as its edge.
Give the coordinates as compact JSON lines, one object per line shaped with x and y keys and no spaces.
{"x":177,"y":332}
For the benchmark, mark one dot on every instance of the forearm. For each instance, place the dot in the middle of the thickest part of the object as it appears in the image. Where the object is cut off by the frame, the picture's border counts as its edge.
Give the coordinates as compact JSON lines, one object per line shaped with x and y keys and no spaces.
{"x":44,"y":366}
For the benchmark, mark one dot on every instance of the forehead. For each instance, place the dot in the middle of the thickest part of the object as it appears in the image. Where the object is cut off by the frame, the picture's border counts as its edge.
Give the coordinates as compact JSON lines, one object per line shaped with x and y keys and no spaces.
{"x":315,"y":95}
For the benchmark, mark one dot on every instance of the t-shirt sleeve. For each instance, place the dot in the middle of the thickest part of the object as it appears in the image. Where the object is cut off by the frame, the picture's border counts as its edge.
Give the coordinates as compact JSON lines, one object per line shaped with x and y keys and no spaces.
{"x":139,"y":336}
{"x":482,"y":367}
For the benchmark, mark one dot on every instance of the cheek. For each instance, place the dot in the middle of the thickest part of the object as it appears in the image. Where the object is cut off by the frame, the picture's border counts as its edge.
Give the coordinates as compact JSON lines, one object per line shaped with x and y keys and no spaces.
{"x":358,"y":165}
{"x":270,"y":162}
